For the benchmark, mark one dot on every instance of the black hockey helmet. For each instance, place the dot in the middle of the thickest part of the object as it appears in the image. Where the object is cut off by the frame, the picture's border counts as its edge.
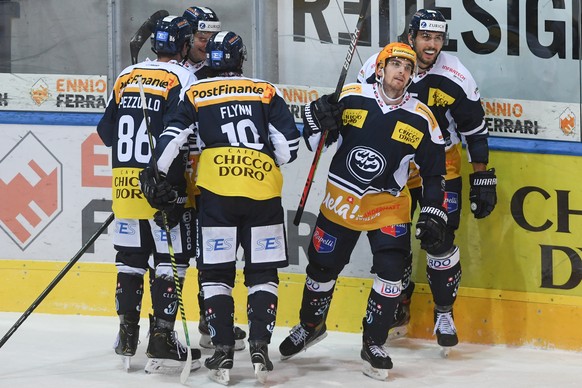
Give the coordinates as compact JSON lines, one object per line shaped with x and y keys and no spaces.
{"x":428,"y":20}
{"x":225,"y":51}
{"x":170,"y":35}
{"x":202,"y":19}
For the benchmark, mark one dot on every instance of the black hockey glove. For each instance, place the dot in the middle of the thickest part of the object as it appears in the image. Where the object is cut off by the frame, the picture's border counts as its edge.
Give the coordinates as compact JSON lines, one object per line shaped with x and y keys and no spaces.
{"x":483,"y":193}
{"x":328,"y":117}
{"x":173,"y":216}
{"x":431,"y":227}
{"x":160,"y":195}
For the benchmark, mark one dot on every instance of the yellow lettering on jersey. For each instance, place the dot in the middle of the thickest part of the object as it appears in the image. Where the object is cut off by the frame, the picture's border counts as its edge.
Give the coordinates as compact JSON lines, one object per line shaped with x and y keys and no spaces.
{"x":425,"y":111}
{"x":235,"y":171}
{"x":128,"y":199}
{"x":372,"y":211}
{"x":351,"y":88}
{"x":439,"y":98}
{"x":354,"y":117}
{"x":407,"y":134}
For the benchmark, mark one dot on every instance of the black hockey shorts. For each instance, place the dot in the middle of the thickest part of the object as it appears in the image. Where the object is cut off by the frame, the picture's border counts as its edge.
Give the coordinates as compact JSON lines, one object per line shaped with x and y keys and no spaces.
{"x":332,"y":245}
{"x":229,"y":222}
{"x":135,"y":240}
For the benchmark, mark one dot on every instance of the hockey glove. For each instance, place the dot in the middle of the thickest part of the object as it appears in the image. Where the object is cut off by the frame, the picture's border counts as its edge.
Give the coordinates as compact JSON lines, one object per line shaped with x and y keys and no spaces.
{"x":328,"y":117}
{"x":160,"y":195}
{"x":431,"y":227}
{"x":173,"y":216}
{"x":483,"y":194}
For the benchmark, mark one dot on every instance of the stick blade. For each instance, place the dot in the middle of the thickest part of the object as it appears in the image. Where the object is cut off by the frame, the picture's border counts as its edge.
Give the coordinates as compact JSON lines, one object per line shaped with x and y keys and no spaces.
{"x":144,"y":32}
{"x":187,"y":367}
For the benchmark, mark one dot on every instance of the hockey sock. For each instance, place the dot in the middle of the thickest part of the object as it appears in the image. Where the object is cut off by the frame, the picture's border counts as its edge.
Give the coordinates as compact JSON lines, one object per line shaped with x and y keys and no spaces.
{"x":444,"y":275}
{"x":262,"y":311}
{"x":164,"y":298}
{"x":316,"y":301}
{"x":407,"y":283}
{"x":129,"y":293}
{"x":382,"y":303}
{"x":219,"y":313}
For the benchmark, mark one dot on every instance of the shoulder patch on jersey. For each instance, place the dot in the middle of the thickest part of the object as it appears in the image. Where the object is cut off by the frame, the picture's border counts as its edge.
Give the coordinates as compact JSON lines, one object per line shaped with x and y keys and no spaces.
{"x":354,"y":117}
{"x":425,"y":111}
{"x":439,"y":98}
{"x":407,"y":134}
{"x":351,"y":88}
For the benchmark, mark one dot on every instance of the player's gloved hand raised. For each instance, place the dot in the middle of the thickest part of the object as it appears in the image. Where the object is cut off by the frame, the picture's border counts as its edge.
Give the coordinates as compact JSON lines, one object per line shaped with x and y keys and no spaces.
{"x":431,"y":227}
{"x":160,"y":195}
{"x":327,"y":113}
{"x":483,"y":192}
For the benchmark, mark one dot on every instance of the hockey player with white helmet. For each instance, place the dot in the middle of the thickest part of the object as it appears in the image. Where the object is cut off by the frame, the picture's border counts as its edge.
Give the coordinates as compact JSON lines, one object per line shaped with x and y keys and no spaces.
{"x":138,"y":224}
{"x":450,"y":91}
{"x":204,"y":23}
{"x":379,"y":129}
{"x":245,"y":132}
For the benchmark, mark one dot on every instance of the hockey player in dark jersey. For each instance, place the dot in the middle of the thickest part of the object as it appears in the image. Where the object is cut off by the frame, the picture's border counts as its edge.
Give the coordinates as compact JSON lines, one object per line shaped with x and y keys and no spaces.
{"x":448,"y":88}
{"x":204,"y":22}
{"x":245,"y":131}
{"x":138,"y":226}
{"x":381,"y":128}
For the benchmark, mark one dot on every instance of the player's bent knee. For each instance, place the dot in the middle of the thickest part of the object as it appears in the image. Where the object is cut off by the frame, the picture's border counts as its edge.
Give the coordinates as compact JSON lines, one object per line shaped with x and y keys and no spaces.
{"x":445,"y":261}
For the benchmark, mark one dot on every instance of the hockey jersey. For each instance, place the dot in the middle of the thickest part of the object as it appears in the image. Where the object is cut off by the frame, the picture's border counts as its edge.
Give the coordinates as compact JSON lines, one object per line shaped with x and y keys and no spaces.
{"x":123,"y":128}
{"x":451,"y":92}
{"x":366,"y":185}
{"x":244,"y":130}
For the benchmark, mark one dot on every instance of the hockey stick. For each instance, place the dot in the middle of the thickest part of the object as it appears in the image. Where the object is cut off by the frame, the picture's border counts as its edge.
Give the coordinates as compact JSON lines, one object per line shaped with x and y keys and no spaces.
{"x":57,"y":279}
{"x":186,"y":371}
{"x":143,"y":33}
{"x":338,"y":89}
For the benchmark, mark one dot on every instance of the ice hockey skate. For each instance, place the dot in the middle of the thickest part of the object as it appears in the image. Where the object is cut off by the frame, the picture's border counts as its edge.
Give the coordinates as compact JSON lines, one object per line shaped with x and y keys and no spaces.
{"x":260,"y":359}
{"x":126,"y":343}
{"x":399,"y":328}
{"x":377,"y":362}
{"x":165,"y":353}
{"x":220,"y":364}
{"x":445,"y":330}
{"x":206,"y":340}
{"x":300,"y":338}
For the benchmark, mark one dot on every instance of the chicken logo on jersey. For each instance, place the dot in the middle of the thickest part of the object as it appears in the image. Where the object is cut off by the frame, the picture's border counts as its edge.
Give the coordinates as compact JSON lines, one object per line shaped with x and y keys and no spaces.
{"x":365,"y":164}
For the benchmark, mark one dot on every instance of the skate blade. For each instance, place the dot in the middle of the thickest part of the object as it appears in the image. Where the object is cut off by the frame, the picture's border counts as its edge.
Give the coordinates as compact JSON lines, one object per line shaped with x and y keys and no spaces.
{"x":315,"y":341}
{"x":445,"y":351}
{"x":206,"y":343}
{"x":261,"y":372}
{"x":220,"y":375}
{"x":126,"y":363}
{"x":166,"y":366}
{"x":375,"y":373}
{"x":397,"y":332}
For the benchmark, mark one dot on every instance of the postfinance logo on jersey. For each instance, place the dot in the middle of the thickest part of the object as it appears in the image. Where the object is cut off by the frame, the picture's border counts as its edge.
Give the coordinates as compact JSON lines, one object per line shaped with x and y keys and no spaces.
{"x":354,"y":117}
{"x":405,"y":133}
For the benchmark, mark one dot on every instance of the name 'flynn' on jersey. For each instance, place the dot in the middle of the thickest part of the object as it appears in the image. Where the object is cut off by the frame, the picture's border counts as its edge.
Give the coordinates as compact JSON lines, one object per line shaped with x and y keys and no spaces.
{"x":244,"y":130}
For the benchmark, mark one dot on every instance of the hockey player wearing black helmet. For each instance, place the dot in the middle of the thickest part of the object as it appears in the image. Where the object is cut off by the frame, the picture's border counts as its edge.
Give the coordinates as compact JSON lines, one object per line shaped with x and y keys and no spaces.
{"x":138,"y":224}
{"x":450,"y":91}
{"x":245,"y":131}
{"x":204,"y":23}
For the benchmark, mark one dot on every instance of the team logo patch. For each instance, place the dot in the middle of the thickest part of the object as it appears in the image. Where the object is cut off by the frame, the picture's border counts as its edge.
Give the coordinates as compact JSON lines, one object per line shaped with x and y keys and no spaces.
{"x":451,"y":202}
{"x":322,"y":241}
{"x":407,"y":134}
{"x":365,"y":163}
{"x":395,"y":230}
{"x":162,"y":36}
